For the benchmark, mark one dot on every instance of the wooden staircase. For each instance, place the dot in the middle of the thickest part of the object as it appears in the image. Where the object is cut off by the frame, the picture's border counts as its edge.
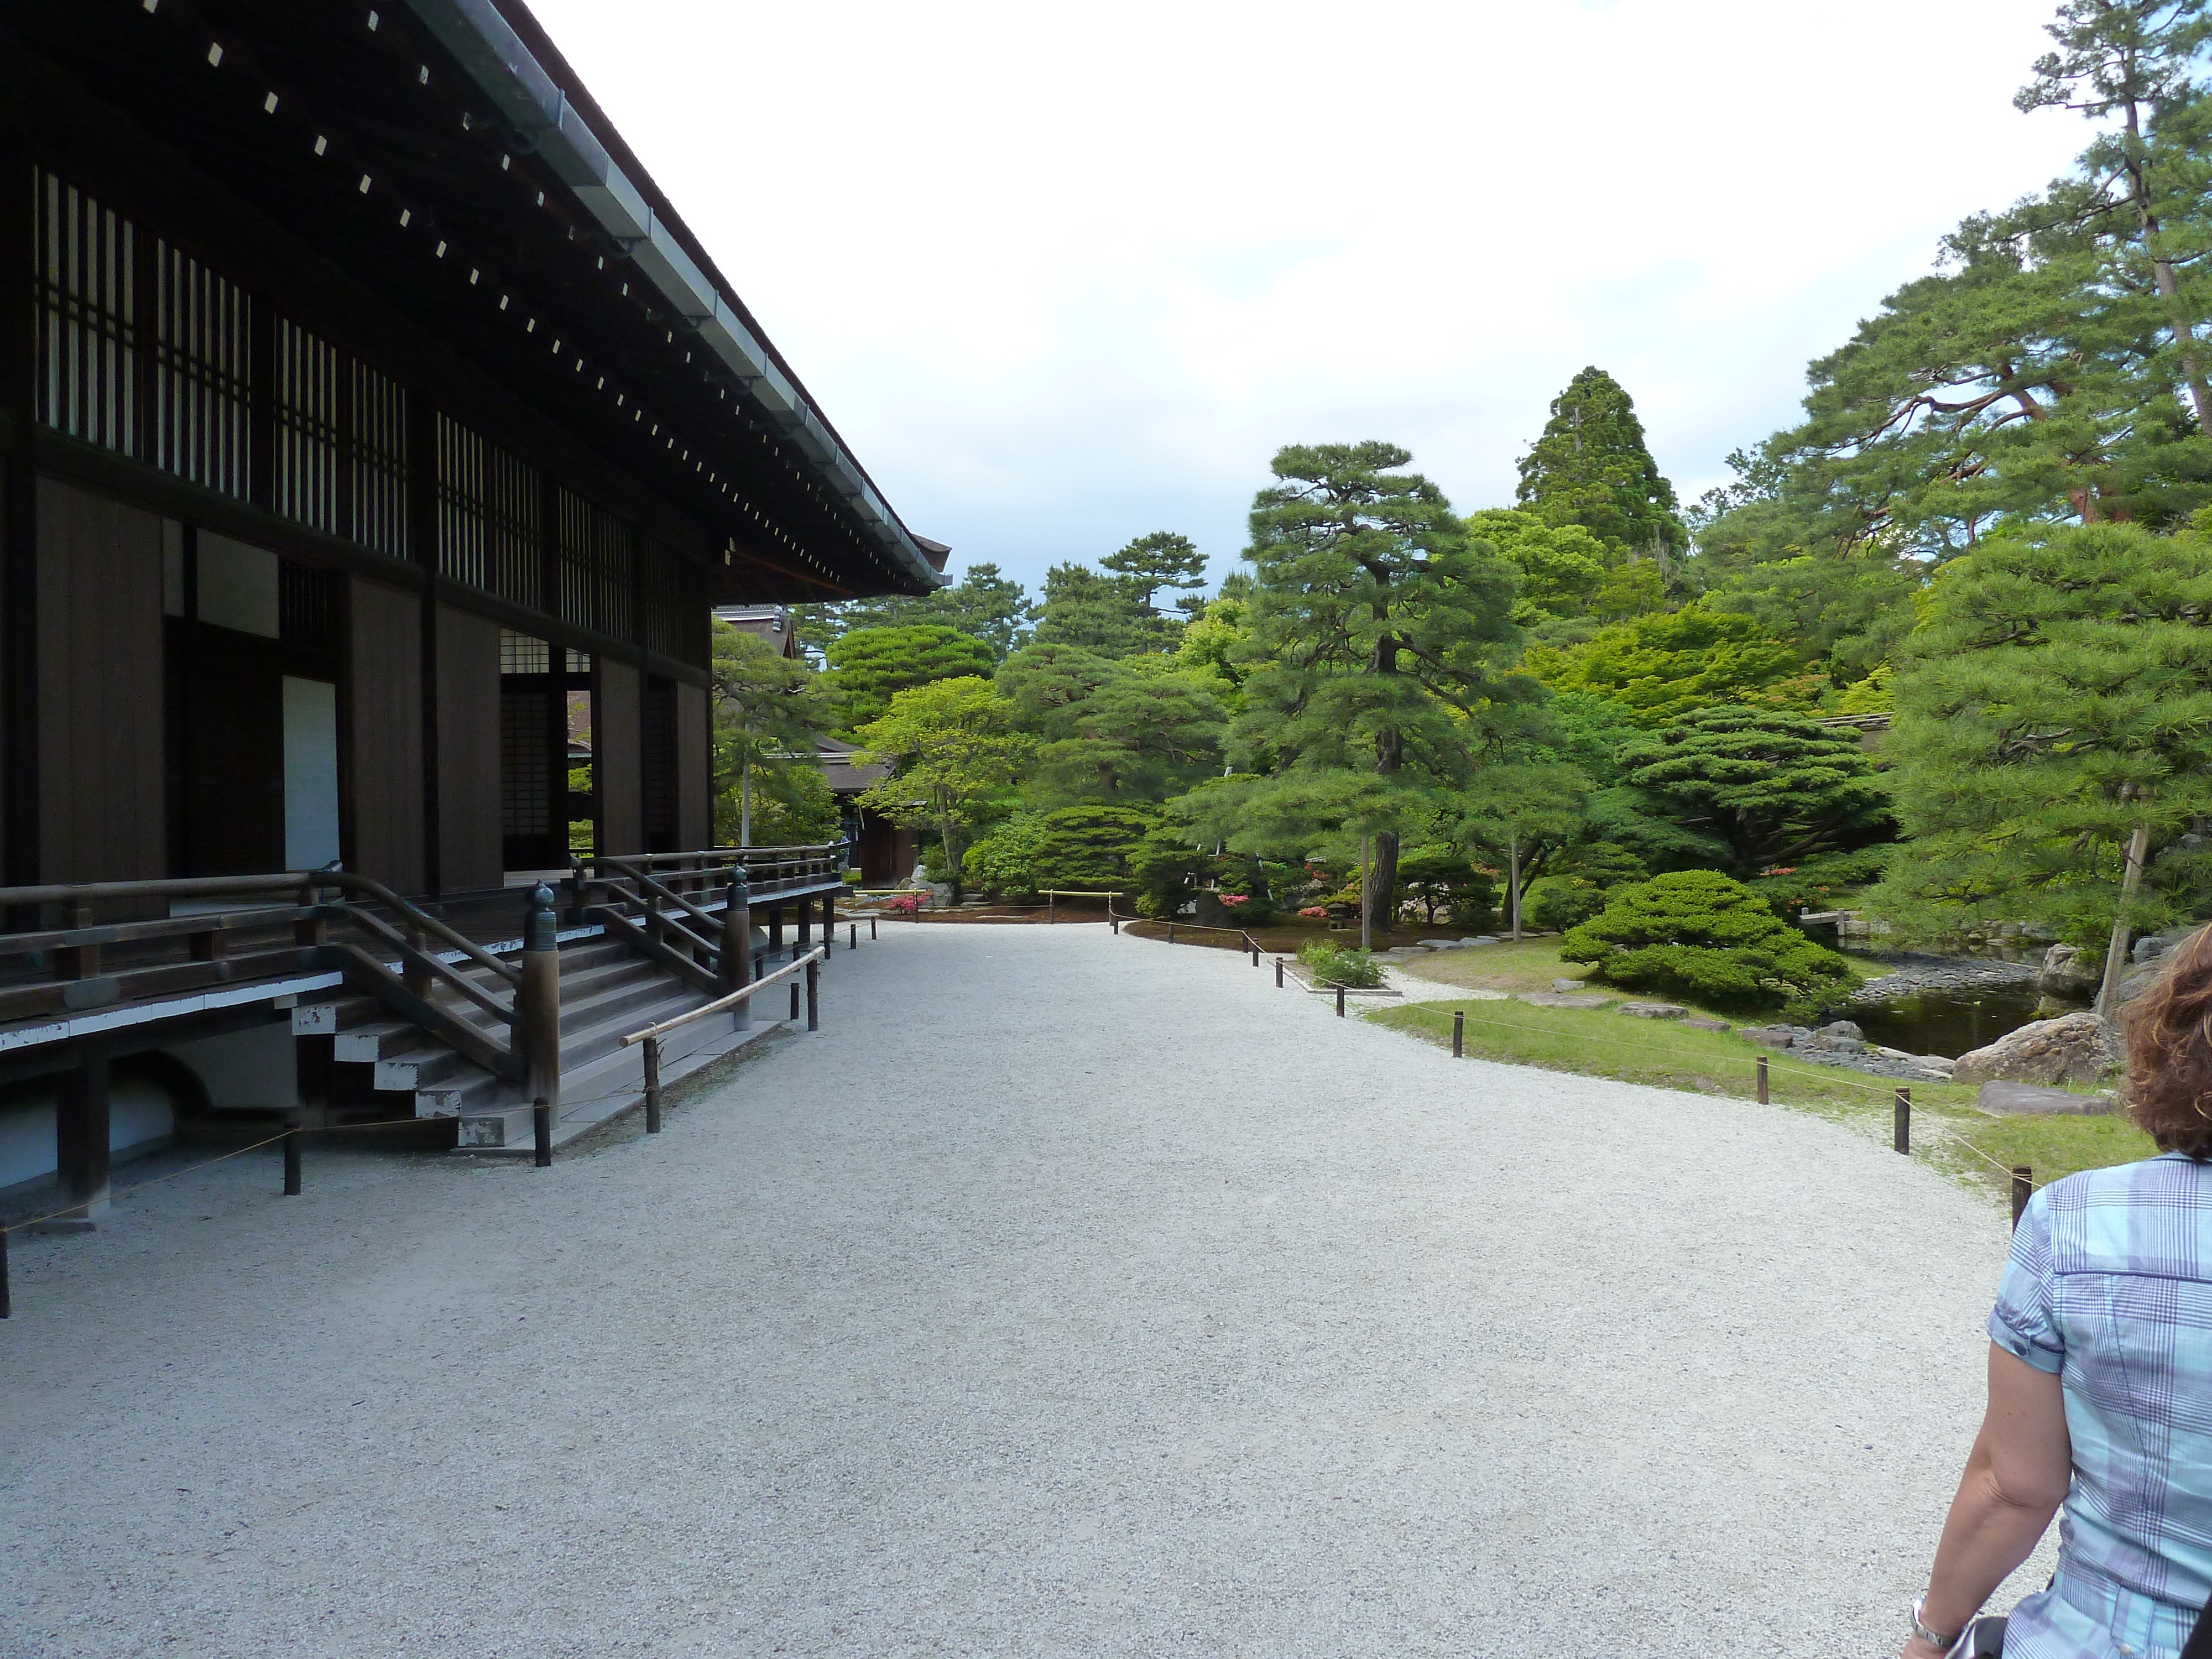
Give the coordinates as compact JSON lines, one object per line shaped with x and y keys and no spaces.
{"x":381,"y":1067}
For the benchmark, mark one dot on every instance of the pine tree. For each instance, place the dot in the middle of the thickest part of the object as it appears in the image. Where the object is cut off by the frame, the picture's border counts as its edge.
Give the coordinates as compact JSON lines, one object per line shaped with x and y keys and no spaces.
{"x":1591,"y":468}
{"x":1376,"y":632}
{"x":1163,"y":559}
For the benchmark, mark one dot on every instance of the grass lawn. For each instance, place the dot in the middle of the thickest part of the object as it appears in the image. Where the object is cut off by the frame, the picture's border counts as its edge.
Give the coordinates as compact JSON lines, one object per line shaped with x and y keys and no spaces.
{"x":1947,"y":1129}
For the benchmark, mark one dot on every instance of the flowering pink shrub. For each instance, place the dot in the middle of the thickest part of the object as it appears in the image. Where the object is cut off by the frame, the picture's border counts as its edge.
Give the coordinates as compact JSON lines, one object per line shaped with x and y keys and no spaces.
{"x":1230,"y":901}
{"x":1317,"y":912}
{"x":905,"y":904}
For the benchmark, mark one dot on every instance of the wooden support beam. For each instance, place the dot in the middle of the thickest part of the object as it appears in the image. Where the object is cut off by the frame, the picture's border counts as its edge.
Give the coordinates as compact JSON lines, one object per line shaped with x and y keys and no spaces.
{"x":18,"y":513}
{"x":81,"y":1134}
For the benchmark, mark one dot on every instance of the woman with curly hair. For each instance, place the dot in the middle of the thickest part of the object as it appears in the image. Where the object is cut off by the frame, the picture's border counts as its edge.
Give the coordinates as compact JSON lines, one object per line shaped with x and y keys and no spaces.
{"x":2100,"y":1378}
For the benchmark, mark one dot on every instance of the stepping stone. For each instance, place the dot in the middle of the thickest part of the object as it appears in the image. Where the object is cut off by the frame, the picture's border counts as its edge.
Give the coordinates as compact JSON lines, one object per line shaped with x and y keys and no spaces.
{"x":1653,"y":1010}
{"x":1441,"y":944}
{"x":1999,"y":1096}
{"x":1480,"y":938}
{"x":1569,"y":985}
{"x":1559,"y":999}
{"x":1709,"y":1024}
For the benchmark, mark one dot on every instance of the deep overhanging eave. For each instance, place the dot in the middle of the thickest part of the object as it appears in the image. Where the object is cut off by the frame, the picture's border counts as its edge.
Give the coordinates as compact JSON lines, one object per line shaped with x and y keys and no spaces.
{"x":534,"y":102}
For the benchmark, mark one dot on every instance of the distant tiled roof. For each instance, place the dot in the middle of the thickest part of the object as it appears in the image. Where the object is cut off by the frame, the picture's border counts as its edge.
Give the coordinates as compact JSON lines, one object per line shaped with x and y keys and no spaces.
{"x":835,"y":760}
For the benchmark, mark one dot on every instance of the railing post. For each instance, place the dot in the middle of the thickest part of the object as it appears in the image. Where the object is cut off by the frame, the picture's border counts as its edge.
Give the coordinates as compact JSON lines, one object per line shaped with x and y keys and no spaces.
{"x":412,"y":974}
{"x":1340,"y":1002}
{"x":1279,"y":973}
{"x":541,"y":1133}
{"x":653,"y":1086}
{"x":805,"y":928}
{"x":538,"y":1000}
{"x":737,"y":964}
{"x":1901,"y":1126}
{"x":2023,"y":1188}
{"x":1459,"y":1034}
{"x":828,"y":925}
{"x":813,"y":996}
{"x":851,"y":936}
{"x":794,"y":999}
{"x":1051,"y":908}
{"x":292,"y":1162}
{"x":872,"y":929}
{"x":1762,"y":1080}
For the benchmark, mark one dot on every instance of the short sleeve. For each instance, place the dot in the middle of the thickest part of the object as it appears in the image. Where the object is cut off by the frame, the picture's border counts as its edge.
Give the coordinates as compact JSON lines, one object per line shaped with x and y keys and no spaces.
{"x":2022,"y":1324}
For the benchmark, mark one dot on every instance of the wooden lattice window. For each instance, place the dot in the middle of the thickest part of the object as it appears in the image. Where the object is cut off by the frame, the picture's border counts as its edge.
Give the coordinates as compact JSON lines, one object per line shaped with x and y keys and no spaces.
{"x":598,"y":567}
{"x":86,"y":318}
{"x":202,"y":373}
{"x":340,"y":443}
{"x":488,"y":516}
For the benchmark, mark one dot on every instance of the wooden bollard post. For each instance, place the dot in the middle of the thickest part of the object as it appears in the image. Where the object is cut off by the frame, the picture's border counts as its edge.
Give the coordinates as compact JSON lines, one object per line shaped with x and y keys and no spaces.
{"x":1762,"y":1080}
{"x":1900,"y":1137}
{"x":794,"y":998}
{"x":737,"y":962}
{"x":541,"y":1131}
{"x":852,"y":941}
{"x":1459,"y":1034}
{"x":828,"y":926}
{"x":1171,"y":933}
{"x":2023,"y":1188}
{"x":653,"y":1086}
{"x":813,"y":996}
{"x":292,"y":1162}
{"x":872,"y":930}
{"x":1051,"y":909}
{"x":1279,"y":973}
{"x":5,"y":1310}
{"x":538,"y":1000}
{"x":1340,"y":1002}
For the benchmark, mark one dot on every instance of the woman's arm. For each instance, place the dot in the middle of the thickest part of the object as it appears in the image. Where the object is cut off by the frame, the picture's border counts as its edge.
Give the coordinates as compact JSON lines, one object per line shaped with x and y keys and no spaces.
{"x":2016,"y":1477}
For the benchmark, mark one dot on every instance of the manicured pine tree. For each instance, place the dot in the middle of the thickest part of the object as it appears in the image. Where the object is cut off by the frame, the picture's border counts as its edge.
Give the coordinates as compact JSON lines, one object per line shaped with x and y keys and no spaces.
{"x":1376,"y":630}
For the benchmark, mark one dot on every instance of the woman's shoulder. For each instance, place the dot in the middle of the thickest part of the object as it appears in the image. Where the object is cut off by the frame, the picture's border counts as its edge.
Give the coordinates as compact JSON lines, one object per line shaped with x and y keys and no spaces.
{"x":2154,"y":1216}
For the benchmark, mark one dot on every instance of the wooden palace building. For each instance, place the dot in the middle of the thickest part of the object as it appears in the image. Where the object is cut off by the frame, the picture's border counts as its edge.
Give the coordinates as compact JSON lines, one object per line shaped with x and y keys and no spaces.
{"x":374,"y":442}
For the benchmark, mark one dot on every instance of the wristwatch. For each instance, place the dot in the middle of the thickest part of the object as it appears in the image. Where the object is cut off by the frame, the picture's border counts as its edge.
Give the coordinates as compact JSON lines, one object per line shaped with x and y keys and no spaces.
{"x":1935,"y":1638}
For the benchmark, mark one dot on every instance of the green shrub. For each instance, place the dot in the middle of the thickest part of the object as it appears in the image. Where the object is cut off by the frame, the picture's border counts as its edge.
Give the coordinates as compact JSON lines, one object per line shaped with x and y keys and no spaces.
{"x":1699,"y":935}
{"x":1003,"y":863}
{"x":1555,"y":903}
{"x":1337,"y":964}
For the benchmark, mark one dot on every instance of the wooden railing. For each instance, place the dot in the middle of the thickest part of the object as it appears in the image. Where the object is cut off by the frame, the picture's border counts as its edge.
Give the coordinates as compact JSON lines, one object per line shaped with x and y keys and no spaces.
{"x":688,"y":911}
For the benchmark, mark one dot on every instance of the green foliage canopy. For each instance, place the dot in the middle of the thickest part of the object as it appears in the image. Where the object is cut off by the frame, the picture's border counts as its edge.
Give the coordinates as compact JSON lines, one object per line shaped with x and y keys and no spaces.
{"x":955,"y":756}
{"x":1591,"y":467}
{"x":1665,"y":667}
{"x":871,"y":666}
{"x":1697,"y":934}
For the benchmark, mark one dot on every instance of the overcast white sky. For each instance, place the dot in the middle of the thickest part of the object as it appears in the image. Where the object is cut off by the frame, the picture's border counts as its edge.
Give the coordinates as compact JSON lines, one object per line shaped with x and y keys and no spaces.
{"x":1064,"y":275}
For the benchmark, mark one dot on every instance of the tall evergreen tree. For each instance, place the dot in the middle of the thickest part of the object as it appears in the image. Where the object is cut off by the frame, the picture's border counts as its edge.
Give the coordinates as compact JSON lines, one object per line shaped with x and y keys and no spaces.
{"x":1591,"y":468}
{"x":1163,"y":559}
{"x":1106,"y":614}
{"x":1377,"y":631}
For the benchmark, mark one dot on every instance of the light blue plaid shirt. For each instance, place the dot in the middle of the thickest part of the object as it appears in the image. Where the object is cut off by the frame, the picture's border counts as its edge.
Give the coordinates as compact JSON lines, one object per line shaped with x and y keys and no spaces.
{"x":2110,"y":1286}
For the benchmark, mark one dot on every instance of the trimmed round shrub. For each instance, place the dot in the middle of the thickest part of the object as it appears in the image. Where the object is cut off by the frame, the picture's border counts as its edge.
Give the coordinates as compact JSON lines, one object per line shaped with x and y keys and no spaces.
{"x":1338,"y":964}
{"x":1699,"y":935}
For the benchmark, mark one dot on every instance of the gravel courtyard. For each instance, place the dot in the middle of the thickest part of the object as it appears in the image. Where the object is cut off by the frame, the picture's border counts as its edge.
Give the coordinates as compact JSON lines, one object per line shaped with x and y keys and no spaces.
{"x":1067,"y":1294}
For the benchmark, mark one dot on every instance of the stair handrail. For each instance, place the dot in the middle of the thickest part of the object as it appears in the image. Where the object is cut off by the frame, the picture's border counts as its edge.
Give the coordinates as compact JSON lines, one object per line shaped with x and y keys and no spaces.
{"x":415,"y":958}
{"x":649,"y":884}
{"x":421,"y":918}
{"x":728,"y":1000}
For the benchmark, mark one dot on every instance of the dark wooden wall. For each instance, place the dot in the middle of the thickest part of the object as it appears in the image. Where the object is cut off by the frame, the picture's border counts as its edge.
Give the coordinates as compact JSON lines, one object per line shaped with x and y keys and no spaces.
{"x":617,"y":777}
{"x":694,"y":763}
{"x":102,"y":793}
{"x":383,"y":735}
{"x":468,"y":751}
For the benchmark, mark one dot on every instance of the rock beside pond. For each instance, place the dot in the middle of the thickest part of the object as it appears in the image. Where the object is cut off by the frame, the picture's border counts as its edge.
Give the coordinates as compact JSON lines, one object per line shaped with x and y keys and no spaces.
{"x":2070,"y":1050}
{"x":2068,"y":972}
{"x":1774,"y":1036}
{"x":2000,"y":1096}
{"x":1839,"y":1028}
{"x":1653,"y":1010}
{"x":1559,"y":999}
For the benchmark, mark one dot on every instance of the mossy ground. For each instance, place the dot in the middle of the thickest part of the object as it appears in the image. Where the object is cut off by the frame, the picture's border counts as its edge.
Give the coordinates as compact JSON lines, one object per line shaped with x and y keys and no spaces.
{"x":1947,"y":1129}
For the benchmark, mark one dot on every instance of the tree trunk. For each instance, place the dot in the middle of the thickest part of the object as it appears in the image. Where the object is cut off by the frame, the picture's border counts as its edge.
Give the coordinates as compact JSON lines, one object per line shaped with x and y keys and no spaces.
{"x":2115,"y":954}
{"x":745,"y":805}
{"x":2185,"y":331}
{"x":1382,"y":881}
{"x":1513,"y":882}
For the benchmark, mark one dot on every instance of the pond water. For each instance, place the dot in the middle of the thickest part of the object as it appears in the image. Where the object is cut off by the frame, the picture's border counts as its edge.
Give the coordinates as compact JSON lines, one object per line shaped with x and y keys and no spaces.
{"x":1946,"y":1022}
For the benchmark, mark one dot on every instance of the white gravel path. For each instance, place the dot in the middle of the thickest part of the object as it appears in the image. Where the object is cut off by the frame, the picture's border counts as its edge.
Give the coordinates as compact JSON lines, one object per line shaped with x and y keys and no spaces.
{"x":1067,"y":1295}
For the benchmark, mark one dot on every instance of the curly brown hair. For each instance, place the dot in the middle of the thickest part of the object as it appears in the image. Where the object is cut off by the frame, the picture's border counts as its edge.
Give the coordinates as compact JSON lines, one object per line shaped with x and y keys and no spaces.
{"x":2169,"y":1037}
